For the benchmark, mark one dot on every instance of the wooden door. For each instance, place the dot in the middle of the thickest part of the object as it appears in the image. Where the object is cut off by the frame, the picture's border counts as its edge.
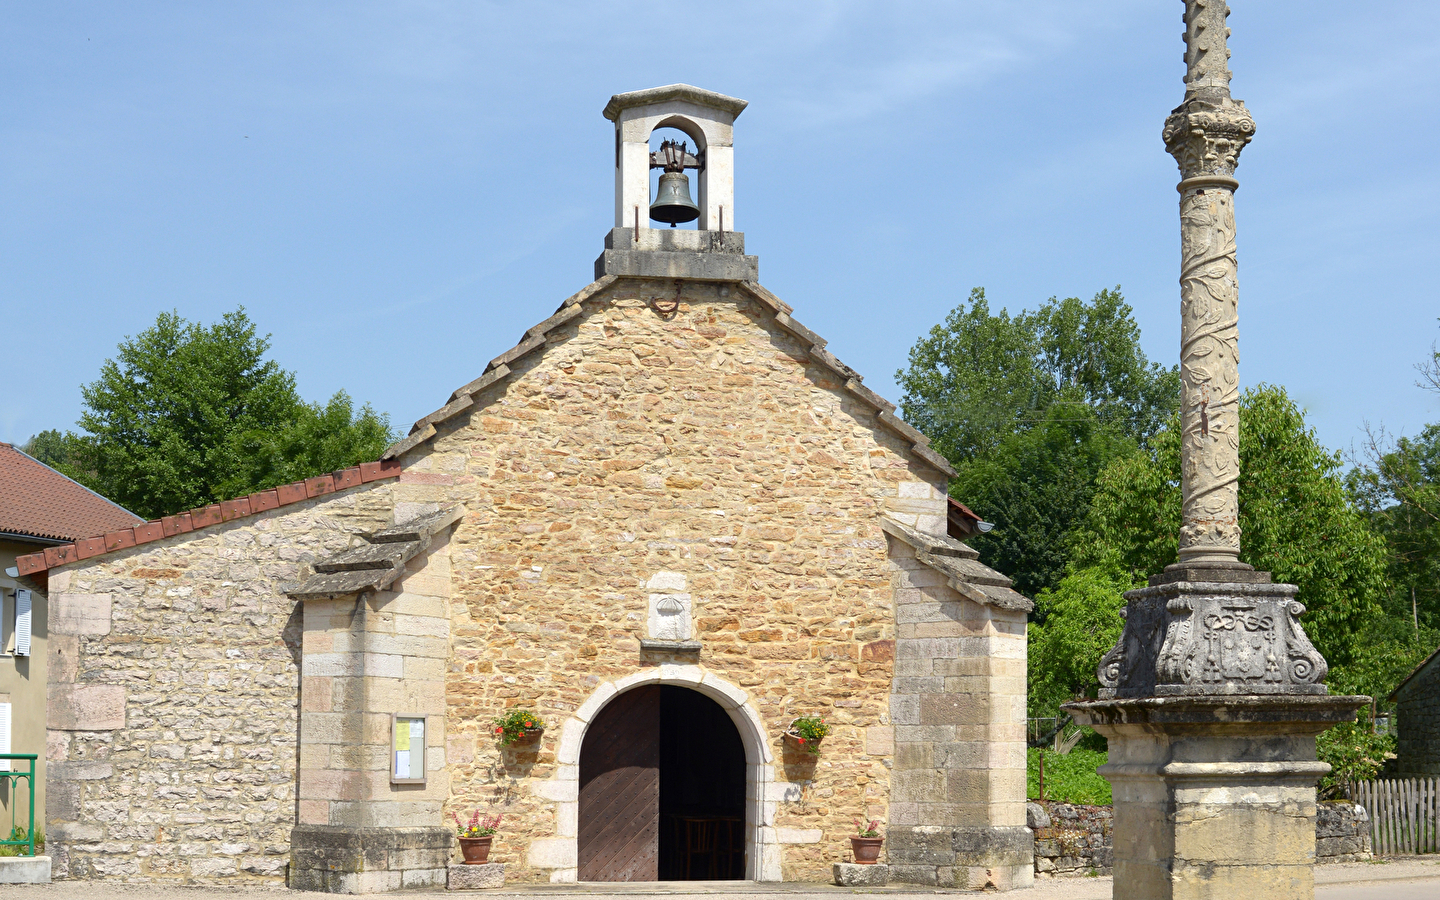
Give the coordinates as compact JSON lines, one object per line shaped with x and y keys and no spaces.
{"x":620,"y":790}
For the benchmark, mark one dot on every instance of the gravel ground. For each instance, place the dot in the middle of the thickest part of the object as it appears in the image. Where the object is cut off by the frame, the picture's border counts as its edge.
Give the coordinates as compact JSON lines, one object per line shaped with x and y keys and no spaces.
{"x":1413,"y":878}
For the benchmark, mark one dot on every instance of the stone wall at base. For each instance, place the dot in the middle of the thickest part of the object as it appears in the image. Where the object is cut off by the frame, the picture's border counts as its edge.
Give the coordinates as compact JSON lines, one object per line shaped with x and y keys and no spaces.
{"x":1072,"y":838}
{"x":173,"y":696}
{"x":347,"y":860}
{"x":1342,"y":832}
{"x":1076,"y":839}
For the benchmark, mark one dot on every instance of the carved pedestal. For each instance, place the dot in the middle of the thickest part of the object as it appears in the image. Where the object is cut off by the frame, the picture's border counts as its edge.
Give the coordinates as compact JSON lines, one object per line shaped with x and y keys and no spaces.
{"x":1187,"y":638}
{"x":1214,"y":796}
{"x":1211,"y":702}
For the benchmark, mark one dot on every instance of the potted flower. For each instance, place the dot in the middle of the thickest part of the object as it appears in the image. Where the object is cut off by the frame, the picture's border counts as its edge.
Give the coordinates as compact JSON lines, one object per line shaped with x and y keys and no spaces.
{"x":475,"y":837}
{"x":518,"y":726}
{"x":807,"y":732}
{"x":865,"y":842}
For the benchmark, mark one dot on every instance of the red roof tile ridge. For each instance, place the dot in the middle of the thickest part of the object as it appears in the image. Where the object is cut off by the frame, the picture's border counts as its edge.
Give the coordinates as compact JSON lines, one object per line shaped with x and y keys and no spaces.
{"x":205,"y":516}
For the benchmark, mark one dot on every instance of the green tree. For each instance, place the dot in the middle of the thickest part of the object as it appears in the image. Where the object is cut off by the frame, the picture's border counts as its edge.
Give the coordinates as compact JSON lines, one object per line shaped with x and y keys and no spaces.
{"x":188,"y":414}
{"x":1029,"y":409}
{"x":1036,"y":487}
{"x":1296,"y":521}
{"x":1081,"y":622}
{"x":49,"y":447}
{"x":1397,"y":486}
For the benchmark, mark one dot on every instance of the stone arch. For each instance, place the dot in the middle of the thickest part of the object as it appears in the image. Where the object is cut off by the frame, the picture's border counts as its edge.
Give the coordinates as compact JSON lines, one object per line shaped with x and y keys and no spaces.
{"x":762,"y":792}
{"x":693,"y":129}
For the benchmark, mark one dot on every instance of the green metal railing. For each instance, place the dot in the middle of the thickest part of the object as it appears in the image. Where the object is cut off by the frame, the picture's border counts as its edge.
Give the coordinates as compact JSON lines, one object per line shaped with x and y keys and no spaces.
{"x":12,"y":779}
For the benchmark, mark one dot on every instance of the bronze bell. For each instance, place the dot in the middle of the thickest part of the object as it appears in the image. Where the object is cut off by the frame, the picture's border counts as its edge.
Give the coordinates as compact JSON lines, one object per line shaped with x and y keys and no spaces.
{"x":672,"y":200}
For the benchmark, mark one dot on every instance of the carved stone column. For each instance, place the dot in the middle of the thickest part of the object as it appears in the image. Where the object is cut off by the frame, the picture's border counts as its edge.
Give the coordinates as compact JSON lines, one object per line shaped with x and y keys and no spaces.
{"x":1205,"y":134}
{"x":1213,"y":696}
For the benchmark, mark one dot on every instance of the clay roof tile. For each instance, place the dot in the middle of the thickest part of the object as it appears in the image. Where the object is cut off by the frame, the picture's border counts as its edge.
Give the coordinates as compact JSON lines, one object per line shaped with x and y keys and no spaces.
{"x":37,"y":501}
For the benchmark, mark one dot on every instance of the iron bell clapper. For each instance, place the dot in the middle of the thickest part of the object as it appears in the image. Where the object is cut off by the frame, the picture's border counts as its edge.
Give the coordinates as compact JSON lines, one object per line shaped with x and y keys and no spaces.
{"x":672,"y":200}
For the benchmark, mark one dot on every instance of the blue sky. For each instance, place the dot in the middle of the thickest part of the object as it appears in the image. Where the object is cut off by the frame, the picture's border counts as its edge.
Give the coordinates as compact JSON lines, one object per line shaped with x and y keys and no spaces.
{"x":398,"y":190}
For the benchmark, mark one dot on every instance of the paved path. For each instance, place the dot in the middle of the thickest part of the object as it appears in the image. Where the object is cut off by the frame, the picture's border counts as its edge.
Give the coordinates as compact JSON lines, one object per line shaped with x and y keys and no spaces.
{"x":1416,"y":878}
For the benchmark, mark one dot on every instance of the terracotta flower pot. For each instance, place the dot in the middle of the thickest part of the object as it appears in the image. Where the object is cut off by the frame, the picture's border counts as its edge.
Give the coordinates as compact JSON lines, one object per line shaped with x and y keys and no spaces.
{"x":476,"y":850}
{"x":528,"y":736}
{"x":809,"y":746}
{"x":866,"y":850}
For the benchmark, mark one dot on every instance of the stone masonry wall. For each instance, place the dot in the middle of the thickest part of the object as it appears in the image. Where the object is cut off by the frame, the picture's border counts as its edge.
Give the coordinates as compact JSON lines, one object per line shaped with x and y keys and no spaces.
{"x":173,"y":696}
{"x":1072,"y":838}
{"x":957,"y":706}
{"x":1417,"y":747}
{"x":1342,"y":832}
{"x":704,"y":444}
{"x":1076,"y":839}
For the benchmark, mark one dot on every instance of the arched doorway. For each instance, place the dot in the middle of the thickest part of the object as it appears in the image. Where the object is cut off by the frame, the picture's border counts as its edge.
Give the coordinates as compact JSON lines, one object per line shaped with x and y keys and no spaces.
{"x":662,"y":790}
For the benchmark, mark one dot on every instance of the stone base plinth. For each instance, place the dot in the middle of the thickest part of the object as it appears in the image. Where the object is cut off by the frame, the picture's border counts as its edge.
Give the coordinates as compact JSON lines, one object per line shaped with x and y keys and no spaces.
{"x":1214,"y":796}
{"x":475,"y":878}
{"x":853,"y":875}
{"x":997,"y":858}
{"x":342,"y":860}
{"x":24,"y":870}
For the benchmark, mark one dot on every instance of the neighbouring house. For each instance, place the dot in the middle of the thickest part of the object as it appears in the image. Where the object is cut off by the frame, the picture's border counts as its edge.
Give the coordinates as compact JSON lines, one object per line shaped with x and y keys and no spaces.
{"x":668,"y":522}
{"x":1417,"y":708}
{"x":39,"y":508}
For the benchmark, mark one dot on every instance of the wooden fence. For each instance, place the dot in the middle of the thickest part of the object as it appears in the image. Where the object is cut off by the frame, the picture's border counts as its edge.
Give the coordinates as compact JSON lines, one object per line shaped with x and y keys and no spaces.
{"x":1402,"y":813}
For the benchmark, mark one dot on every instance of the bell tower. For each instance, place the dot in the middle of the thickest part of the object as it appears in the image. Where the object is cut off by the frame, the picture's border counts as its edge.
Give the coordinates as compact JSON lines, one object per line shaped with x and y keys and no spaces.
{"x":641,"y":244}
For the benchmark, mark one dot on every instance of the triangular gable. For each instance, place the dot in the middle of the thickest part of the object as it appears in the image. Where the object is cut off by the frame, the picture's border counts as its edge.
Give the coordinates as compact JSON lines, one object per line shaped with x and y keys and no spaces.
{"x":535,"y":338}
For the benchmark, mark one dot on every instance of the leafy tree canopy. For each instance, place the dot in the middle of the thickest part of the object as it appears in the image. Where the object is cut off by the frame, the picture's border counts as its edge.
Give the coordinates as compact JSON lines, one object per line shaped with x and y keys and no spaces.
{"x":1029,"y":409}
{"x":188,"y":414}
{"x":980,"y":377}
{"x":1295,"y":517}
{"x":1081,"y":621}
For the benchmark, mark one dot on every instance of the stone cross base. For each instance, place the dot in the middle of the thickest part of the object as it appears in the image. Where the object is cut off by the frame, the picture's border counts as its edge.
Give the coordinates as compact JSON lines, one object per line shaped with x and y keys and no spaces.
{"x":475,"y":878}
{"x":1215,"y":796}
{"x":855,"y":875}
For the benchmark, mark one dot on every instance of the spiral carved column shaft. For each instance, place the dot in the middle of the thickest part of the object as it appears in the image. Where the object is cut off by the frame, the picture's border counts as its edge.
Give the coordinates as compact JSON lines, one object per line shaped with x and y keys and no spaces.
{"x":1205,"y":134}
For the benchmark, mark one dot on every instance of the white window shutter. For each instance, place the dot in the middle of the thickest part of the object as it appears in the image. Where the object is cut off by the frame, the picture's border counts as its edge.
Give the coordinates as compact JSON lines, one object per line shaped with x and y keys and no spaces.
{"x":22,"y":623}
{"x":4,"y":735}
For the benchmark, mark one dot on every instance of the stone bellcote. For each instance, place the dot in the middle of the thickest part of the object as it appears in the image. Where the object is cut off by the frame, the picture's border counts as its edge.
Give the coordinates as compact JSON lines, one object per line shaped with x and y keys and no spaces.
{"x":714,"y":252}
{"x":706,"y":117}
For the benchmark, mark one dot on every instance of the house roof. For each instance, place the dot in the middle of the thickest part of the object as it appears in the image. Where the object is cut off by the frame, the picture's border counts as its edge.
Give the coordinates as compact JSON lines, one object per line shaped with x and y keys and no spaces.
{"x":37,"y":501}
{"x":205,"y":516}
{"x":961,"y":522}
{"x":1413,"y":672}
{"x":535,"y":338}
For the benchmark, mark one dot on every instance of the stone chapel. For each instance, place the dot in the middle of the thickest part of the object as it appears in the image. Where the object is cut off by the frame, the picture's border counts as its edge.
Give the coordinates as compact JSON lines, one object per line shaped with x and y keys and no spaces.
{"x":668,"y":522}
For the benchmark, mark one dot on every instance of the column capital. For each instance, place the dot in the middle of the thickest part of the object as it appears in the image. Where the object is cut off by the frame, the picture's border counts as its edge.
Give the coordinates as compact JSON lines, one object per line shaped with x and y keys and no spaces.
{"x":1206,"y":135}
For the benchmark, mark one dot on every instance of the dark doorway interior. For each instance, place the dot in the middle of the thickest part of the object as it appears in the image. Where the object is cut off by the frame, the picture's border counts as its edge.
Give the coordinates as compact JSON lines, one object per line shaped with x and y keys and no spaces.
{"x":702,"y":789}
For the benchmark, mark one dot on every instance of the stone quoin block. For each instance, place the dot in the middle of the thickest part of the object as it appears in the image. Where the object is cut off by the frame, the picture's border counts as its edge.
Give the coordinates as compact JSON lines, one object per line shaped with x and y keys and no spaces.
{"x":85,"y":707}
{"x":80,"y":614}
